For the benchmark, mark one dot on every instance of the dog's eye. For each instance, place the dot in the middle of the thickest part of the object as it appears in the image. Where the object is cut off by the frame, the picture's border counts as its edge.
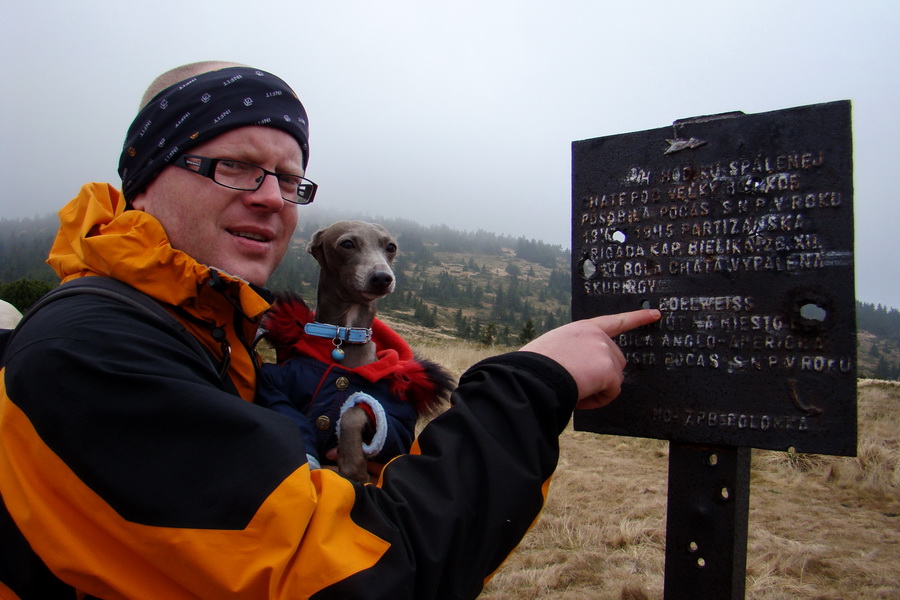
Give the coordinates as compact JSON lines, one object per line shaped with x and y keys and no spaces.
{"x":347,"y":244}
{"x":391,"y":248}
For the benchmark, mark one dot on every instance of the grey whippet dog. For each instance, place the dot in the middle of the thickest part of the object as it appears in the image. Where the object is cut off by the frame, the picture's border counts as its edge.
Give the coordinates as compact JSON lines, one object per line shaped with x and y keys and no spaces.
{"x":355,"y":260}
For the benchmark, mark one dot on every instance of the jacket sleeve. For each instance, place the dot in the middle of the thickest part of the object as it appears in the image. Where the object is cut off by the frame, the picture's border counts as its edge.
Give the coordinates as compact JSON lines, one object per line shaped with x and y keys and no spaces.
{"x":133,"y":475}
{"x":456,"y":507}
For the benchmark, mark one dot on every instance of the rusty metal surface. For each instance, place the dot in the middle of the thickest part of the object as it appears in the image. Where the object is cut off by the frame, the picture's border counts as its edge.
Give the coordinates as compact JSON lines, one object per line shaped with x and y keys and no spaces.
{"x":740,"y":229}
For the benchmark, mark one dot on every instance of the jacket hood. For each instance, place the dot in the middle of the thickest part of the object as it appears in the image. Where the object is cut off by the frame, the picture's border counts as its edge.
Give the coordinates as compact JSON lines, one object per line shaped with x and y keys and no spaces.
{"x":97,"y":236}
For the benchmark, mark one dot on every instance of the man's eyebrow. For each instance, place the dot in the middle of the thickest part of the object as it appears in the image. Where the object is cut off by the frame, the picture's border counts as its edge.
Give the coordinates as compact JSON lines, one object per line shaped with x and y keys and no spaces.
{"x":251,"y":156}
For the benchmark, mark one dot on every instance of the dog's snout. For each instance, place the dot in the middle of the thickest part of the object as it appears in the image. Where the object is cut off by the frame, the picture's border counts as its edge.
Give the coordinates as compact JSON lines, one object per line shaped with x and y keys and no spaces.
{"x":381,"y":279}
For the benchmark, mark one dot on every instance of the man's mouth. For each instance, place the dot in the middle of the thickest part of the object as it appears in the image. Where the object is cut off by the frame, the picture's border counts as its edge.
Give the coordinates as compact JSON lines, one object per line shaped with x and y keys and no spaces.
{"x":257,"y":237}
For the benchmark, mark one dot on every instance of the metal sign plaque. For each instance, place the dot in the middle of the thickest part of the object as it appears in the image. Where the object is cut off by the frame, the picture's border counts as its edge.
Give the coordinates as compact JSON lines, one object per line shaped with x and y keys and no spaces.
{"x":739,"y":228}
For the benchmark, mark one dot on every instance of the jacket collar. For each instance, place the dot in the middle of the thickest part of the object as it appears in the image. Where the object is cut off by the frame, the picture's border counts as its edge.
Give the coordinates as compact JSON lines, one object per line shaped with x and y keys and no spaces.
{"x":98,"y":236}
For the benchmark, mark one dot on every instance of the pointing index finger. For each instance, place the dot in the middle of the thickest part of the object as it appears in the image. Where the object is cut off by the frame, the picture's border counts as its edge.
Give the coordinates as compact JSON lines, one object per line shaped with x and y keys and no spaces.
{"x":613,"y":325}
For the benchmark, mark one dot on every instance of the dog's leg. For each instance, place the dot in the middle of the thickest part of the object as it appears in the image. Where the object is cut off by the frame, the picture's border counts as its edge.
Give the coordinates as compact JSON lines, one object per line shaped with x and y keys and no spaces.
{"x":351,"y":460}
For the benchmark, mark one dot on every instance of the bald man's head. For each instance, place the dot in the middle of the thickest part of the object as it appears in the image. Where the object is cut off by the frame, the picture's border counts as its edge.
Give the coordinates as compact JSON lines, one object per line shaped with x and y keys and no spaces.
{"x":180,"y":74}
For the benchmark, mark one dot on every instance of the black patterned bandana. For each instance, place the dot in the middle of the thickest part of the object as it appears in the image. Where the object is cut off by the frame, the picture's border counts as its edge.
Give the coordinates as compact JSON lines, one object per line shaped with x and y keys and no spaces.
{"x":200,"y":108}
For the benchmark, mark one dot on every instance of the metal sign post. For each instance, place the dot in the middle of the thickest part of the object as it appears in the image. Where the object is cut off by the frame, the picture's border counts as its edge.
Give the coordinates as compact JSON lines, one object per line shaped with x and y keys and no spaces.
{"x":739,"y":229}
{"x":706,"y":522}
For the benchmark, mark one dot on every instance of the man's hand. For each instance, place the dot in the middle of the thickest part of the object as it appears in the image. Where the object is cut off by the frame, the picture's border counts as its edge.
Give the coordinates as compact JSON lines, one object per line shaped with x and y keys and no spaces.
{"x":586,"y":350}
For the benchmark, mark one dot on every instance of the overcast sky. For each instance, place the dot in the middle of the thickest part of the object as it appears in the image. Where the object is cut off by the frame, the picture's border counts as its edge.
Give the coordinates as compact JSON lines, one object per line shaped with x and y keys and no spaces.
{"x":460,"y":112}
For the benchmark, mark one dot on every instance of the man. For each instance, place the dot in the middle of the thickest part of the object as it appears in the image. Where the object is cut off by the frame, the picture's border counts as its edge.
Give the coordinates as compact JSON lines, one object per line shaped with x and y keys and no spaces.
{"x":129,"y":468}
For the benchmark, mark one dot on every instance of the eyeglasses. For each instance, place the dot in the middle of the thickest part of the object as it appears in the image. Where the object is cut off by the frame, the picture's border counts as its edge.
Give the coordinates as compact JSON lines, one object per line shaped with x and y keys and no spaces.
{"x":248,"y":177}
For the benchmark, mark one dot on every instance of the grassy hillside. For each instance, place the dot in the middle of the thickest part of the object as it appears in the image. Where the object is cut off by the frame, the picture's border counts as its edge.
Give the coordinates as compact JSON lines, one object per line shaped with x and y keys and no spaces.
{"x":497,"y":290}
{"x":476,"y":286}
{"x":878,"y":356}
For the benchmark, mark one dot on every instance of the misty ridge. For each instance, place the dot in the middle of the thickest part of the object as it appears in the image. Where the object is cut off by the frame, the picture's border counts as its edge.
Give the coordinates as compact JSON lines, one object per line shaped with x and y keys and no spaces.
{"x":473,"y":285}
{"x":479,"y":286}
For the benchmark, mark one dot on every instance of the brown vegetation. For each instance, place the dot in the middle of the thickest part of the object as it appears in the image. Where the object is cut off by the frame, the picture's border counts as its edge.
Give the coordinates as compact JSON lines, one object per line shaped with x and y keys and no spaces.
{"x":821,"y":527}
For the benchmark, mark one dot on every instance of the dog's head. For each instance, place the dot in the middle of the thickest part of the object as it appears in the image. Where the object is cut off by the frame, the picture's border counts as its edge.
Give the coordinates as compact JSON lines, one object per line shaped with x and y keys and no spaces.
{"x":356,"y":259}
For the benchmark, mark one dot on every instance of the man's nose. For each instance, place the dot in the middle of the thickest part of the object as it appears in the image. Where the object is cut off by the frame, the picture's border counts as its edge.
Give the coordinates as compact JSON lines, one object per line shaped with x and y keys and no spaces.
{"x":268,"y":195}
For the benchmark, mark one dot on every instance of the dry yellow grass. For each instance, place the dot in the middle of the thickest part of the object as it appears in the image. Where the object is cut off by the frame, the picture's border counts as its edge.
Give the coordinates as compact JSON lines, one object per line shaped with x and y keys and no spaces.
{"x":821,"y":527}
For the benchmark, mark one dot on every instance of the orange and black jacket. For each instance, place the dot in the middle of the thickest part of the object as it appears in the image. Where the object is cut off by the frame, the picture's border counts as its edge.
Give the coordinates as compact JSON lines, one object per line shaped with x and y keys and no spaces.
{"x":128,"y":469}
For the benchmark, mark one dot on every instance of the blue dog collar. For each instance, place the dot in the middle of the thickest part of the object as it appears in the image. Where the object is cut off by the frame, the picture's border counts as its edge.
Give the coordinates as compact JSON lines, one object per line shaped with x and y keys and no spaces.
{"x":352,"y":335}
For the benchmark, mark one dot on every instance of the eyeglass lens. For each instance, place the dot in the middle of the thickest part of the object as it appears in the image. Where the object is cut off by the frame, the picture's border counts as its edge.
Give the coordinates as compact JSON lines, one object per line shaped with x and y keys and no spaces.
{"x":245,"y":176}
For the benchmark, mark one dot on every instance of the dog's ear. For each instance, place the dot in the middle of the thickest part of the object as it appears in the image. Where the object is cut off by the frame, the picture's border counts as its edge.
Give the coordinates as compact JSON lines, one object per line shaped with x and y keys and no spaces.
{"x":314,"y":246}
